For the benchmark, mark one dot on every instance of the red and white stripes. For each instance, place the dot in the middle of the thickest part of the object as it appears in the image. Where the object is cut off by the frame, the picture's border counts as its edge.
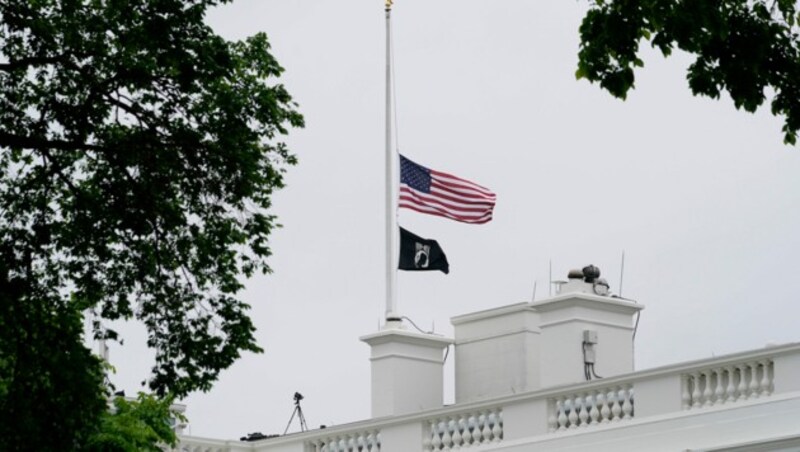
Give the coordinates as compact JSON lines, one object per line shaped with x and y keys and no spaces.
{"x":450,"y":197}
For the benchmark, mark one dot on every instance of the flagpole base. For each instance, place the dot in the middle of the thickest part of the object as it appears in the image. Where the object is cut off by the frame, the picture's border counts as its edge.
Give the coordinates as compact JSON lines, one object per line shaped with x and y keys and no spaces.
{"x":393,"y":323}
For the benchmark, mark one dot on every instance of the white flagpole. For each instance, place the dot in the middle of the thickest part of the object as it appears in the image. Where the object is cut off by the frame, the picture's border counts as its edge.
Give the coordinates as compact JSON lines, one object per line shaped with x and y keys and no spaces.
{"x":391,"y":177}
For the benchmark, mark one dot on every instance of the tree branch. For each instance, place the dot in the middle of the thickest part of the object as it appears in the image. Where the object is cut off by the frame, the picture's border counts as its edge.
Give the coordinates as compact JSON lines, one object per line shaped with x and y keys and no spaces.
{"x":24,"y":63}
{"x":10,"y":140}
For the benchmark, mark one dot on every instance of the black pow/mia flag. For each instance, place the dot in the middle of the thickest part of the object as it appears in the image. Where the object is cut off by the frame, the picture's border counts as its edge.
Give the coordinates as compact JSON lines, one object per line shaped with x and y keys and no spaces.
{"x":418,"y":254}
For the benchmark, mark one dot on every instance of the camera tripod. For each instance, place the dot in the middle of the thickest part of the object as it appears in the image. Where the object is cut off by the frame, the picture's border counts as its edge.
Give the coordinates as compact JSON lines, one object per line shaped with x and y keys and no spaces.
{"x":299,"y":412}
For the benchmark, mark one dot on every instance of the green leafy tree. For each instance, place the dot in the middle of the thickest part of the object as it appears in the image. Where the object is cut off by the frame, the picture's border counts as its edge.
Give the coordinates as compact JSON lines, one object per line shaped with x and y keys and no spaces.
{"x":51,"y":391}
{"x":144,"y":424}
{"x":138,"y":155}
{"x":744,"y":47}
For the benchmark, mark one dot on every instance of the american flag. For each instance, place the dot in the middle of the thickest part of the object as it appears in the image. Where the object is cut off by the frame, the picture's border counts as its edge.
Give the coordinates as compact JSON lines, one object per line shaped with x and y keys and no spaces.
{"x":436,"y":193}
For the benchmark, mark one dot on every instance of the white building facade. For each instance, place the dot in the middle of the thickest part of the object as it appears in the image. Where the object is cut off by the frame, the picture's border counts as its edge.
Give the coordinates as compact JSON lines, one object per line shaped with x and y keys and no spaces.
{"x":557,"y":374}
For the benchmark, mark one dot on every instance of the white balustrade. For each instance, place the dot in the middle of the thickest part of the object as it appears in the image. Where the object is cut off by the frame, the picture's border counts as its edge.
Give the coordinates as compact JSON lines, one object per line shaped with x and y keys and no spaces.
{"x":727,"y":384}
{"x":463,"y":430}
{"x":597,"y":406}
{"x":366,"y":441}
{"x":199,"y":446}
{"x":578,"y":408}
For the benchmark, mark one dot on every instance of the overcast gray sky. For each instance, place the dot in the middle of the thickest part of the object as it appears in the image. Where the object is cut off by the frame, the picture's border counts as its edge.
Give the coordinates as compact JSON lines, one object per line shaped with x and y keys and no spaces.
{"x":703,"y":198}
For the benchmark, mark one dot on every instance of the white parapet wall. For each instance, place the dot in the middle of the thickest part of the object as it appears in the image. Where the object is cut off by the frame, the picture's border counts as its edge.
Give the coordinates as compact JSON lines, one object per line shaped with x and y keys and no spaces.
{"x":526,"y":346}
{"x":496,"y":352}
{"x":741,"y":401}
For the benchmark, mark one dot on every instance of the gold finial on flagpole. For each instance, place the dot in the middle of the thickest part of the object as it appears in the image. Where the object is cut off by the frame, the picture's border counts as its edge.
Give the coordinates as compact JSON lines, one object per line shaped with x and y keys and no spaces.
{"x":389,"y":4}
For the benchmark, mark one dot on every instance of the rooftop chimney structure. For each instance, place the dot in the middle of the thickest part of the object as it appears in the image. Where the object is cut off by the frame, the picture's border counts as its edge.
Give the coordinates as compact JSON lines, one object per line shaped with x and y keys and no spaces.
{"x":581,"y":333}
{"x":407,"y":370}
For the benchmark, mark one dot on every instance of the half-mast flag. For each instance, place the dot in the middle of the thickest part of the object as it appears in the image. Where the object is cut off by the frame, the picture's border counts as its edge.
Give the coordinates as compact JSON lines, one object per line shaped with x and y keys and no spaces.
{"x":418,"y":254}
{"x":437,"y":193}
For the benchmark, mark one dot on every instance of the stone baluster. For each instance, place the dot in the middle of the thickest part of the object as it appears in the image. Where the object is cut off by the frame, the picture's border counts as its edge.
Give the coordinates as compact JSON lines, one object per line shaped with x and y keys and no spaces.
{"x":369,"y":442}
{"x":447,"y":439}
{"x":766,"y":382}
{"x":605,"y":411}
{"x":757,"y":377}
{"x":742,"y":389}
{"x":573,"y":413}
{"x":616,"y":409}
{"x":696,"y":394}
{"x":488,"y":436}
{"x":719,"y":390}
{"x":497,"y":428}
{"x":495,"y":423}
{"x":752,"y":387}
{"x":457,"y":439}
{"x":466,"y":434}
{"x":686,"y":396}
{"x":477,"y":430}
{"x":627,"y":405}
{"x":561,"y":416}
{"x":730,"y":390}
{"x":583,"y":414}
{"x":433,"y":436}
{"x":594,"y":413}
{"x":477,"y":434}
{"x":486,"y":431}
{"x":708,"y":392}
{"x":436,"y":439}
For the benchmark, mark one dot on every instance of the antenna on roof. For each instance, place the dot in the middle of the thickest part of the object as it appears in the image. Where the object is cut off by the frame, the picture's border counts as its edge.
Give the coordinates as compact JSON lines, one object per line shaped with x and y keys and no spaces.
{"x":533,"y":298}
{"x":299,"y":412}
{"x":621,"y":272}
